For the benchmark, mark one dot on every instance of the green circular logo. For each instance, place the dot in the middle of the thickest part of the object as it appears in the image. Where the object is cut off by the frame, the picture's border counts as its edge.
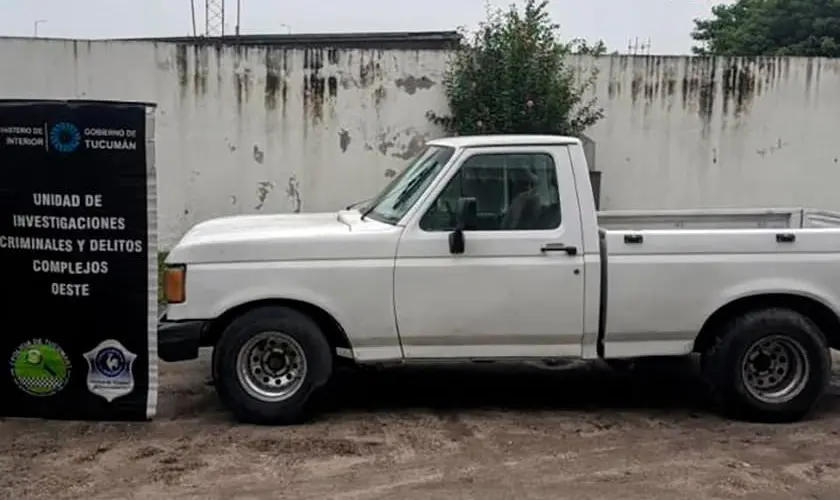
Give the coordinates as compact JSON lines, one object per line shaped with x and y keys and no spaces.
{"x":40,"y":367}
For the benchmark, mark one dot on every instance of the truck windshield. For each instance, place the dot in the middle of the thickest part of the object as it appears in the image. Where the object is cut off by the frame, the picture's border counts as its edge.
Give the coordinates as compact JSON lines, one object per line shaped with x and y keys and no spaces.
{"x":393,"y":202}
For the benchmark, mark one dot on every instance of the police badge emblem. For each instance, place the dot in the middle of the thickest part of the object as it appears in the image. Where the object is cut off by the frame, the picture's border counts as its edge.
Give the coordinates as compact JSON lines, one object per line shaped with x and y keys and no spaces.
{"x":110,"y":370}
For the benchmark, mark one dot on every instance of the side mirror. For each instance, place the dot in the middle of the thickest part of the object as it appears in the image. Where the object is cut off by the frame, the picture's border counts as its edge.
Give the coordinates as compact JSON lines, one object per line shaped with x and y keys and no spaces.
{"x":465,"y":218}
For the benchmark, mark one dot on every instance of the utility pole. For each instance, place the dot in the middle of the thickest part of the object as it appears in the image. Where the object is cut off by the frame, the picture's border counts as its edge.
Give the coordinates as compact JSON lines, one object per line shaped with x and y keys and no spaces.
{"x":238,"y":15}
{"x":192,"y":11}
{"x":635,"y":48}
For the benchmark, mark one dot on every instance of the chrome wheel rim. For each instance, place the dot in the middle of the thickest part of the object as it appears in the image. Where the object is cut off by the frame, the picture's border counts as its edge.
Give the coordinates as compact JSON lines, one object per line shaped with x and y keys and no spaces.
{"x":271,"y":366}
{"x":775,"y":369}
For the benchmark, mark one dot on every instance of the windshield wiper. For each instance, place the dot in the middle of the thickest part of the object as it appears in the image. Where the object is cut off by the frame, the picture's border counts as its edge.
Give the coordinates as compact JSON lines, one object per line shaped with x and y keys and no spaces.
{"x":356,"y":204}
{"x":404,"y":194}
{"x":412,"y":186}
{"x":369,"y":209}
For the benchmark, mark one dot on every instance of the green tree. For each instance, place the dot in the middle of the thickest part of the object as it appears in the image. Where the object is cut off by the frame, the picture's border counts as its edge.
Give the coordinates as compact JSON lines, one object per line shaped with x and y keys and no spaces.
{"x":512,"y":77}
{"x":772,"y":28}
{"x":581,"y":46}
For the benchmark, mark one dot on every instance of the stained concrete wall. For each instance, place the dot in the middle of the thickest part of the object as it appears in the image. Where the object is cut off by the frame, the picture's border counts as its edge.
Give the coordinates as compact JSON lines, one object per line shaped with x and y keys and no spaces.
{"x":683,"y":132}
{"x":251,"y":129}
{"x":313,"y":125}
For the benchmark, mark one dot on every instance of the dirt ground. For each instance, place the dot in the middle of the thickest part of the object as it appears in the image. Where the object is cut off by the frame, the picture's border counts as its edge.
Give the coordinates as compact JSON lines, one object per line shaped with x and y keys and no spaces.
{"x":581,"y":433}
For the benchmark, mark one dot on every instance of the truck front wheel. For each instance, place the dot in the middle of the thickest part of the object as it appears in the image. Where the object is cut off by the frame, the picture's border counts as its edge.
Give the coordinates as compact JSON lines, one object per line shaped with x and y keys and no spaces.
{"x":267,"y":364}
{"x":770,"y":365}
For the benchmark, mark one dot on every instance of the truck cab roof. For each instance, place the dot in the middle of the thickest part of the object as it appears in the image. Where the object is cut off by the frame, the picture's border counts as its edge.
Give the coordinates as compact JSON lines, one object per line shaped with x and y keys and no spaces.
{"x":478,"y":141}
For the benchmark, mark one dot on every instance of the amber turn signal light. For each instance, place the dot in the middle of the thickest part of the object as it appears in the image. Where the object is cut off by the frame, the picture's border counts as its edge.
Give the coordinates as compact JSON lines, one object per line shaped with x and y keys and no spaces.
{"x":174,"y":281}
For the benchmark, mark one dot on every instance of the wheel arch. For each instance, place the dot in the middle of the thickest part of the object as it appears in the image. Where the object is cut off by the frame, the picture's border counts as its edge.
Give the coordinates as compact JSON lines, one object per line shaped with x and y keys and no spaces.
{"x":817,"y":311}
{"x":334,"y":332}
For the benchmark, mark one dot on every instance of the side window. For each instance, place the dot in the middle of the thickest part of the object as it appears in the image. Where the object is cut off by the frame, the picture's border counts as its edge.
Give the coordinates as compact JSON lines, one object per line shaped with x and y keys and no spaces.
{"x":512,"y":191}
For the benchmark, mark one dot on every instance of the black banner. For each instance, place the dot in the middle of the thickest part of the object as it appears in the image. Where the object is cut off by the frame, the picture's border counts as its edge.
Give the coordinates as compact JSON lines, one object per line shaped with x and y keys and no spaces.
{"x":78,"y":256}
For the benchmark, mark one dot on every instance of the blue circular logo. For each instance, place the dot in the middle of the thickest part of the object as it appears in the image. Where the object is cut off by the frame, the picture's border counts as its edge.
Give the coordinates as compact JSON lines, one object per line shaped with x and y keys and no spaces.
{"x":65,"y":137}
{"x":110,"y":362}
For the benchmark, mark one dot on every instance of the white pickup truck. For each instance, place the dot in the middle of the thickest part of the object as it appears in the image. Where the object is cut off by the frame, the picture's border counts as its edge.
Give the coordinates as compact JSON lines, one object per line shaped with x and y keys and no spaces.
{"x":488,"y":248}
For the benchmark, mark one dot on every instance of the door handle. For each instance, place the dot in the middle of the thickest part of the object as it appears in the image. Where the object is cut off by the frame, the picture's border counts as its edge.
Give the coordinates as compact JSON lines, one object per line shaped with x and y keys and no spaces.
{"x":633,"y":239}
{"x":559,"y":247}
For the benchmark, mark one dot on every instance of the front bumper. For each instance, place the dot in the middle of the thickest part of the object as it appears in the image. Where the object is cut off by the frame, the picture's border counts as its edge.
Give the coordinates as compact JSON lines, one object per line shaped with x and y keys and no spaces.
{"x":179,"y":340}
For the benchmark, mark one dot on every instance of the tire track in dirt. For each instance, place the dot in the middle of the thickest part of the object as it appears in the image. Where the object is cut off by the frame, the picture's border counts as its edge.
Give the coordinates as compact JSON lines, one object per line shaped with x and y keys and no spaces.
{"x":414,"y":435}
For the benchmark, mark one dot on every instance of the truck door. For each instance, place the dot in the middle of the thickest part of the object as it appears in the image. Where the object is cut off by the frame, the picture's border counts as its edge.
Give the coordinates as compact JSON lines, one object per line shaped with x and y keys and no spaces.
{"x":517,"y":289}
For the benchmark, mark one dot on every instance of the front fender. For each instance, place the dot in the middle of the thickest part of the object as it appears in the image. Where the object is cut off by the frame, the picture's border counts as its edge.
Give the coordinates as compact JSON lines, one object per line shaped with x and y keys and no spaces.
{"x":243,"y":297}
{"x":358,"y":294}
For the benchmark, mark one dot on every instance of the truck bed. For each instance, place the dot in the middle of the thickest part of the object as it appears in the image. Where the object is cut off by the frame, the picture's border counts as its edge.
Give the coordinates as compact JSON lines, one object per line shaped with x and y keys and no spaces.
{"x":733,"y":218}
{"x":667,"y":272}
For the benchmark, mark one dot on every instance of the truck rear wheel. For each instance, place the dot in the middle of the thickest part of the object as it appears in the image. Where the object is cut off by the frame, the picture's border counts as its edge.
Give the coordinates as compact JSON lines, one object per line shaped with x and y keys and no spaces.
{"x":267,"y":364}
{"x":770,"y":365}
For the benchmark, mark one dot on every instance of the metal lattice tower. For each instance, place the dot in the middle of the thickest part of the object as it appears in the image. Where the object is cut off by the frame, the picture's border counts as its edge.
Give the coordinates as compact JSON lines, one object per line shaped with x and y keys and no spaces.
{"x":214,"y":17}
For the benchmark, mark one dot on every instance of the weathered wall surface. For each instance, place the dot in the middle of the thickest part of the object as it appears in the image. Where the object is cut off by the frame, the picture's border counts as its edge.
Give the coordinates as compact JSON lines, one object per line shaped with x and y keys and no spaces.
{"x":314,"y":126}
{"x":249,"y":129}
{"x":683,"y":132}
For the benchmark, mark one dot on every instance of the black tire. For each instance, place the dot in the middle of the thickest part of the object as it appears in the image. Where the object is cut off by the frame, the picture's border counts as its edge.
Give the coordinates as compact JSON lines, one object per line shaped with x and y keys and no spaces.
{"x":300,"y":328}
{"x":722,"y":365}
{"x":214,"y":367}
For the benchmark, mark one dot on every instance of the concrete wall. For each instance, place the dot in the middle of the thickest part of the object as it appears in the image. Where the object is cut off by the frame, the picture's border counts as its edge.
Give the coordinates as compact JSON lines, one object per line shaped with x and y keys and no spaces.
{"x":250,"y":129}
{"x":684,"y":132}
{"x":313,"y":125}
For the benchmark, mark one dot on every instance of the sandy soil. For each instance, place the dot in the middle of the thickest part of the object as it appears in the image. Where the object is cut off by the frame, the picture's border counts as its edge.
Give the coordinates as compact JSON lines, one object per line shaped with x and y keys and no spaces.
{"x":580,"y":433}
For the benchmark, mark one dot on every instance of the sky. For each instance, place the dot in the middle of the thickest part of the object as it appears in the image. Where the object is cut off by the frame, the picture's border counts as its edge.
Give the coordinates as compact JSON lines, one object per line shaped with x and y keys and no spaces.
{"x":666,"y":23}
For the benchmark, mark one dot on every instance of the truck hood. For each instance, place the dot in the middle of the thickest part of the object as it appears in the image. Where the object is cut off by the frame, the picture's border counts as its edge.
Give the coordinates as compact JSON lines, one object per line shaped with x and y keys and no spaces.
{"x":284,"y":237}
